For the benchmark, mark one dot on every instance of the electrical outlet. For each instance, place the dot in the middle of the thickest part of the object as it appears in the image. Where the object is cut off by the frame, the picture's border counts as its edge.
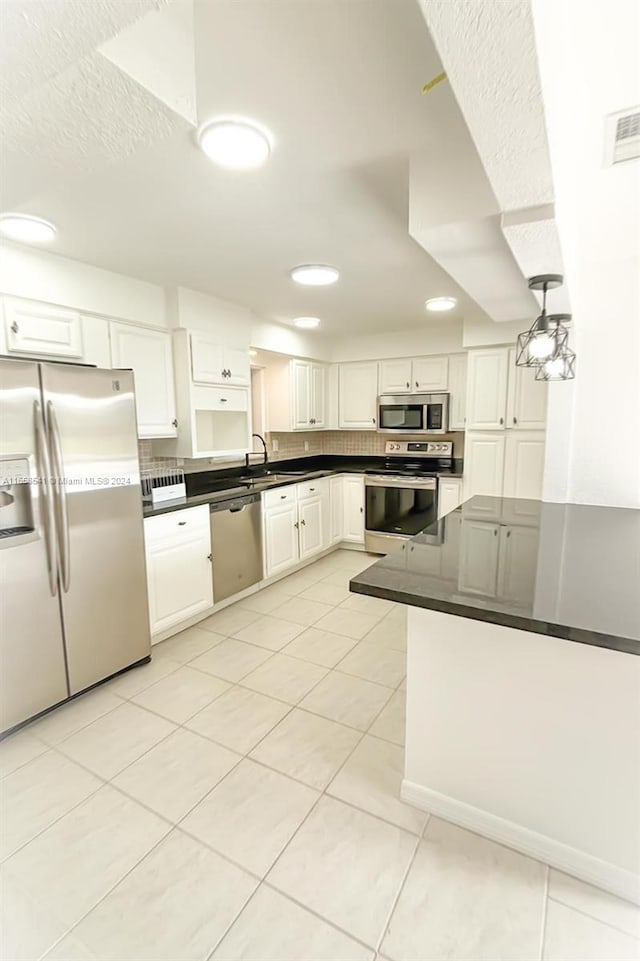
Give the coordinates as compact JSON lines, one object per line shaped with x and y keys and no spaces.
{"x":275,"y":446}
{"x":306,"y":445}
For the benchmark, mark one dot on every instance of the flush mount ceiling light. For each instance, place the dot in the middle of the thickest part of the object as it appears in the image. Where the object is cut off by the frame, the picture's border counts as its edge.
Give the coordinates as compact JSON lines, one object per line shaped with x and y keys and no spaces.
{"x":547,"y":333}
{"x":315,"y":275}
{"x":436,"y":304}
{"x":26,"y":229}
{"x":307,"y":322}
{"x":234,"y":143}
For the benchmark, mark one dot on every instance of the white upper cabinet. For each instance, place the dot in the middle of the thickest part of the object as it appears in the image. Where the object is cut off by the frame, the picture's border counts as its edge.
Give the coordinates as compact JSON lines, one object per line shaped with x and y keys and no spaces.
{"x":148,"y":353}
{"x":212,"y":363}
{"x":318,"y":395}
{"x":395,"y":376}
{"x":42,"y":330}
{"x":487,"y":389}
{"x":430,"y":374}
{"x":458,"y":391}
{"x":526,"y":399}
{"x":358,"y":396}
{"x":424,"y":375}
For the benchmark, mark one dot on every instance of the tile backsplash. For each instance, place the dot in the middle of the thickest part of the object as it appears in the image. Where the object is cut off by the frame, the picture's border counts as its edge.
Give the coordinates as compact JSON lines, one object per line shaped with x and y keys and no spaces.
{"x":298,"y":444}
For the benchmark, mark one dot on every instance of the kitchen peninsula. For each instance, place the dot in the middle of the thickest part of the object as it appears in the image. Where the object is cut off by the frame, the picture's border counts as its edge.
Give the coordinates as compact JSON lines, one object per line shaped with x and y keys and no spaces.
{"x":523,"y":691}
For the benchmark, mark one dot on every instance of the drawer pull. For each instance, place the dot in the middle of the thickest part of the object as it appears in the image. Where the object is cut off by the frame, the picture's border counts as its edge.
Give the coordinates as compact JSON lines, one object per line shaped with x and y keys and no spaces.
{"x":14,"y":327}
{"x":311,"y":490}
{"x":223,"y":400}
{"x":283,"y":497}
{"x":181,"y":523}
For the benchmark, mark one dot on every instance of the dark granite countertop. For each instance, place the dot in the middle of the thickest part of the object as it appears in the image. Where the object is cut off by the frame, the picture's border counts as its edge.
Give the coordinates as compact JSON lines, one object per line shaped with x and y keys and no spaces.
{"x":570,"y":571}
{"x":206,"y":487}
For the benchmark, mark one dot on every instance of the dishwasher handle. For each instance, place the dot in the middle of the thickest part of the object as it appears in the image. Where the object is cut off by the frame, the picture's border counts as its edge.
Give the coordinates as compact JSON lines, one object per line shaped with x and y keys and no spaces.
{"x":234,"y":504}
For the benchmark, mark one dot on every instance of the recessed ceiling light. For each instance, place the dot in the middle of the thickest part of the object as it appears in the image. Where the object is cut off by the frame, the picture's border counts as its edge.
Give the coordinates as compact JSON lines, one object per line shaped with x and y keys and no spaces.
{"x":235,"y":143}
{"x":307,"y":322}
{"x":441,"y":303}
{"x":26,"y":229}
{"x":315,"y":275}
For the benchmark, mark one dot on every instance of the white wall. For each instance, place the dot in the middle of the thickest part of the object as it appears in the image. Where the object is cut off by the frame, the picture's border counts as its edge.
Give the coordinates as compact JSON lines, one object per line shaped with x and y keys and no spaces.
{"x":432,"y":339}
{"x":40,"y":275}
{"x":598,"y":211}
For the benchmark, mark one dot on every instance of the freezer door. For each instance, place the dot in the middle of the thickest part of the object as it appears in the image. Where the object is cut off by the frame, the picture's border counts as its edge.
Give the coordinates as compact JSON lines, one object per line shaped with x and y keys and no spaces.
{"x":91,"y":421}
{"x":32,"y":665}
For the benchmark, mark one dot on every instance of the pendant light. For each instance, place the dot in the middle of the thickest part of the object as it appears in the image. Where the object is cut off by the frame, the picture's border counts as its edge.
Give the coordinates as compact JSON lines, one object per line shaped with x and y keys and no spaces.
{"x":544,"y":337}
{"x":560,"y":366}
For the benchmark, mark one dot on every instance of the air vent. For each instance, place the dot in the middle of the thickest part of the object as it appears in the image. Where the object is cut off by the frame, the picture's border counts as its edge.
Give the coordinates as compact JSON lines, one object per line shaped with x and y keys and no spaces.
{"x":622,"y":136}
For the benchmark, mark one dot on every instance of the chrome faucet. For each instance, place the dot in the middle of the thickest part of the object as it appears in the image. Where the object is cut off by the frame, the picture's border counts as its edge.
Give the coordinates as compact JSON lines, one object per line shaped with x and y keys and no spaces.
{"x":266,"y":454}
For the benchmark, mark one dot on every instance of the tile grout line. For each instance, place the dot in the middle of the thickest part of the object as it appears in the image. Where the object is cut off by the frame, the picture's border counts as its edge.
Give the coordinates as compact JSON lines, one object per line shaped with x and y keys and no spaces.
{"x":592,"y":917}
{"x":403,"y":880}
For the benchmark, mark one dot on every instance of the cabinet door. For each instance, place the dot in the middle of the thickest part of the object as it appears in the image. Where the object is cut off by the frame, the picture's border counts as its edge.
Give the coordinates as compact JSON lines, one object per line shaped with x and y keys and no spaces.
{"x":430,"y":374}
{"x":479,"y":552}
{"x":518,"y":564}
{"x":524,"y":464}
{"x":449,"y":496}
{"x":354,"y":509}
{"x":280,"y":538}
{"x":311,"y":527}
{"x":458,"y":391}
{"x":395,"y":376}
{"x":207,"y":360}
{"x":358,"y":396}
{"x":148,"y":354}
{"x":42,"y":330}
{"x":179,"y":578}
{"x":336,"y":492}
{"x":300,"y":379}
{"x":484,"y":464}
{"x":487,"y":389}
{"x":318,"y":395}
{"x":527,"y":406}
{"x":238,"y":365}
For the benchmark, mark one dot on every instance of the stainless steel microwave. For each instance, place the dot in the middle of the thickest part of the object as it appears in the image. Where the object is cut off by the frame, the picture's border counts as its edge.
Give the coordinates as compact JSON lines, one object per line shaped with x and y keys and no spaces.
{"x":413,"y":413}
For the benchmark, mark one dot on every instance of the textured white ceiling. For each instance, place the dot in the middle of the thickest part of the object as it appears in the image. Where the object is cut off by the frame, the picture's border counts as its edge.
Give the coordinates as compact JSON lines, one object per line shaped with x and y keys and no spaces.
{"x":338,"y":84}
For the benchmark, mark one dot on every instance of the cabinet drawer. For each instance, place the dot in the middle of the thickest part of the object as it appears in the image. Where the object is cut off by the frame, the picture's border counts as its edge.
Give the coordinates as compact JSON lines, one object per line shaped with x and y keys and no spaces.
{"x":176,"y":524}
{"x":312,"y":488}
{"x":221,"y":398}
{"x":278,"y":496}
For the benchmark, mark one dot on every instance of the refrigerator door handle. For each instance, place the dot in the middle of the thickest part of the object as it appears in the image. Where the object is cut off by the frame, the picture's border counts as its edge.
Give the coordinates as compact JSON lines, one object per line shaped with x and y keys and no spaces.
{"x":48,"y":516}
{"x":61,"y":497}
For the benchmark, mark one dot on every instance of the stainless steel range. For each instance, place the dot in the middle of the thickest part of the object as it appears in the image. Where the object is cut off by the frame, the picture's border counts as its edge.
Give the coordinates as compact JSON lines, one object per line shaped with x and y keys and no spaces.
{"x":401,"y":499}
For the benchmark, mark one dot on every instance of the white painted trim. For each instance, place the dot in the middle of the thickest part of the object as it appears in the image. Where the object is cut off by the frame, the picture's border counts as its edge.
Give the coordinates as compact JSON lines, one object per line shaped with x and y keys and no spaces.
{"x":579,"y":864}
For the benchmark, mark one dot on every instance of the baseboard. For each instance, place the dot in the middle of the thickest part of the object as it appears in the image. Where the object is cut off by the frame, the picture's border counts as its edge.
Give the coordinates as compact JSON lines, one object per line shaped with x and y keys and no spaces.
{"x":577,"y":863}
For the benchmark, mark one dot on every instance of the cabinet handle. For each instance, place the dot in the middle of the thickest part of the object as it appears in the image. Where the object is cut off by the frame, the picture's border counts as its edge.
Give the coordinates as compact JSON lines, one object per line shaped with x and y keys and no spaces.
{"x":515,"y":420}
{"x":283,"y":497}
{"x":174,"y":422}
{"x":417,"y":384}
{"x":508,"y":533}
{"x":304,"y":523}
{"x":311,"y":490}
{"x":229,"y":374}
{"x":502,"y":420}
{"x":296,"y":525}
{"x":210,"y":557}
{"x":408,"y":384}
{"x":373,"y":419}
{"x":362,"y":510}
{"x":223,"y":400}
{"x":181,"y":523}
{"x":14,"y":327}
{"x":495,"y":533}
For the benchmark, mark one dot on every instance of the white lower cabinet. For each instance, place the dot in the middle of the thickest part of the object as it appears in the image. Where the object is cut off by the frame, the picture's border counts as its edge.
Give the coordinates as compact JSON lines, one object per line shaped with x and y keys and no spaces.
{"x":498,"y":561}
{"x":336,"y":512}
{"x":178,"y":555}
{"x":479,"y":553}
{"x":353,"y":503}
{"x":449,"y":495}
{"x":311,"y":527}
{"x":504,"y":463}
{"x":281,"y":549}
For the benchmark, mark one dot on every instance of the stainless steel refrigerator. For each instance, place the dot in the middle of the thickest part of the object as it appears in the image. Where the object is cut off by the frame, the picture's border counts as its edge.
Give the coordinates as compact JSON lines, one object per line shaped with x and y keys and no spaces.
{"x":73,"y":593}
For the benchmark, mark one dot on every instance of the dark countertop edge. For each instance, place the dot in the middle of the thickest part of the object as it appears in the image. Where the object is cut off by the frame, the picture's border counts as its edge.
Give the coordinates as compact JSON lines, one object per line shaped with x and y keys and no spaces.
{"x":216,"y":497}
{"x":623,"y":645}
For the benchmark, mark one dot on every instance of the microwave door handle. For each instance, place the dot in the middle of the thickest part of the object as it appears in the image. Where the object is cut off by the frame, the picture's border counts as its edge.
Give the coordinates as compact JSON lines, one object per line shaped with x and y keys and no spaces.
{"x":47,"y":510}
{"x":61,"y":496}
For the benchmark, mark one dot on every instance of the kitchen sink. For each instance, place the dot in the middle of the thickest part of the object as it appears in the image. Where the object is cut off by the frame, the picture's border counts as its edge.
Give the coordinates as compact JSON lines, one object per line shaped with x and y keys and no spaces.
{"x":271,"y":476}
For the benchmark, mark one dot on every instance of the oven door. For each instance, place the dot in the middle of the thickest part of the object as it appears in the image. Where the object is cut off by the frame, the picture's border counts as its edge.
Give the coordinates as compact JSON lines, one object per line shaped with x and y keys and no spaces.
{"x":397,"y":509}
{"x":402,"y":414}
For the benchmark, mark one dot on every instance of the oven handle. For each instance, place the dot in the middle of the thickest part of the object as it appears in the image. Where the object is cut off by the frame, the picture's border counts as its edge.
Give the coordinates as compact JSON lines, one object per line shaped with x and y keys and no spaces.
{"x":408,"y":484}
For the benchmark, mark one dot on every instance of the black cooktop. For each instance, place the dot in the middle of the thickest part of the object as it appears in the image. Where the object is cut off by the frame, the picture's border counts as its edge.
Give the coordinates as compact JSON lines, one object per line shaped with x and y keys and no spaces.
{"x":425,"y":467}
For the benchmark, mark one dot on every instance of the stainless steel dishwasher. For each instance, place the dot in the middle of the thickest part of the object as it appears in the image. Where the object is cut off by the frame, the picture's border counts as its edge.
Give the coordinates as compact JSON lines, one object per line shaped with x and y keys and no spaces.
{"x":236,"y":543}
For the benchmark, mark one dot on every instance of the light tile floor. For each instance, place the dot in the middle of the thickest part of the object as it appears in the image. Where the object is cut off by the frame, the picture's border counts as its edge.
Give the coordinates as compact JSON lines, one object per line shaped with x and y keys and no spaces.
{"x":238,"y":798}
